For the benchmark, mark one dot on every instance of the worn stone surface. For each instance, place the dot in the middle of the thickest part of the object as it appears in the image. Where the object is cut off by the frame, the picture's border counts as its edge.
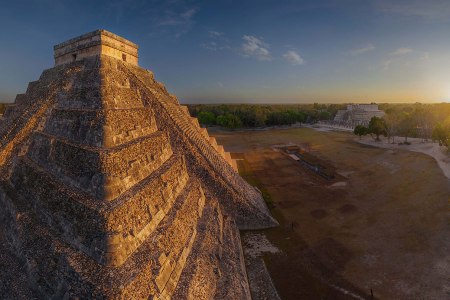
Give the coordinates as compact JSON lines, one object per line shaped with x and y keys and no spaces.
{"x":109,"y":189}
{"x":95,"y":43}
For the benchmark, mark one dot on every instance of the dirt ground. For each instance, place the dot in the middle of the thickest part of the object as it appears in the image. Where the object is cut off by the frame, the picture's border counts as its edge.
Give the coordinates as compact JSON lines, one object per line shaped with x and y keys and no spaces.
{"x":385,"y":225}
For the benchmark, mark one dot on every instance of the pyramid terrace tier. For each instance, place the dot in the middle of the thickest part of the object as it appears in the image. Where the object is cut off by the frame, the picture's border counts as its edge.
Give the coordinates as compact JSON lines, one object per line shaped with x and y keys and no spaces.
{"x":154,"y":269}
{"x":24,"y":116}
{"x":227,"y":258}
{"x":162,"y":257}
{"x":109,"y":232}
{"x":111,"y":97}
{"x":101,"y":128}
{"x":98,"y":85}
{"x":104,"y":173}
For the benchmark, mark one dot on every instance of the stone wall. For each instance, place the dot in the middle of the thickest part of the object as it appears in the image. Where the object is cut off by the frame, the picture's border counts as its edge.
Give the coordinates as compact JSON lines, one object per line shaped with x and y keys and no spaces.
{"x":102,"y":173}
{"x":96,"y":43}
{"x":118,"y":127}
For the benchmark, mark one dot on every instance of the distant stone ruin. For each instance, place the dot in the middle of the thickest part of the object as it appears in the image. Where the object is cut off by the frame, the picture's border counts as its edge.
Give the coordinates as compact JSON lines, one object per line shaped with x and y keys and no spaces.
{"x":357,"y":114}
{"x":109,"y":189}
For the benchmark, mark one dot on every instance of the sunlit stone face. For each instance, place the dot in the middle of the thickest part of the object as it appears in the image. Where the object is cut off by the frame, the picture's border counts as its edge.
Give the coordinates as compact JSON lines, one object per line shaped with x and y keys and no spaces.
{"x":99,"y":42}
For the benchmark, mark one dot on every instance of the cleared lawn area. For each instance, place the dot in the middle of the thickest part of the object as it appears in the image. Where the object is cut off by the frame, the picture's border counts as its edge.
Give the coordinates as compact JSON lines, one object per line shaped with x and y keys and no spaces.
{"x":387,"y":228}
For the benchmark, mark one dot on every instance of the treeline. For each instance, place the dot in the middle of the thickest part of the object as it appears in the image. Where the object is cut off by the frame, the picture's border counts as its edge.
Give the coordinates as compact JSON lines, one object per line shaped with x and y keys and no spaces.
{"x":426,"y":121}
{"x":246,"y":115}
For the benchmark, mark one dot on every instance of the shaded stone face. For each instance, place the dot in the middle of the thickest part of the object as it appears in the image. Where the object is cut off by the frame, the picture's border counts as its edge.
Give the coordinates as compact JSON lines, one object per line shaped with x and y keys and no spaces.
{"x":114,"y":191}
{"x":95,"y":43}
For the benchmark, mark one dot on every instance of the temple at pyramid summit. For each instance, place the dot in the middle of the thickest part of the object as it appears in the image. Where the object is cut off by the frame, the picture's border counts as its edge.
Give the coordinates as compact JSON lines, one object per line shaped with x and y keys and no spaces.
{"x":109,"y":189}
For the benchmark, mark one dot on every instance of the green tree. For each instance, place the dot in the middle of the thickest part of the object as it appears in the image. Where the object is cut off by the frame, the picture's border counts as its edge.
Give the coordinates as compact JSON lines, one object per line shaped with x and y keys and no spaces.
{"x":281,"y":118}
{"x":229,"y":121}
{"x":360,"y":130}
{"x":260,"y":116}
{"x":206,"y":118}
{"x":325,"y":115}
{"x":441,"y":133}
{"x":318,"y":106}
{"x":391,"y":120}
{"x":407,"y":126}
{"x":377,"y":126}
{"x":424,"y":120}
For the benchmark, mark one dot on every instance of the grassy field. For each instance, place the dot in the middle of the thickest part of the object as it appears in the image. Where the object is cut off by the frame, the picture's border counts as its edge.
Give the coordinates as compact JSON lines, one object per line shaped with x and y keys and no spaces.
{"x":382,"y":225}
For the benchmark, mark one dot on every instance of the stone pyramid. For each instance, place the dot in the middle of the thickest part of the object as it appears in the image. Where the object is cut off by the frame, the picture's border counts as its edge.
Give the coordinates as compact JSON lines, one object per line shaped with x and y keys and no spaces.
{"x":109,"y":189}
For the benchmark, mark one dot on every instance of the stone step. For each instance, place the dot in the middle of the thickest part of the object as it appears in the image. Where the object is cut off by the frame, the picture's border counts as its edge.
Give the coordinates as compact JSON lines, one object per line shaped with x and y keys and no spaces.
{"x":112,"y":171}
{"x":18,"y":125}
{"x":21,"y":99}
{"x":101,"y":128}
{"x":126,"y":280}
{"x":32,"y":85}
{"x":174,"y":239}
{"x":179,"y":118}
{"x":195,"y":122}
{"x":98,"y":97}
{"x":37,"y":238}
{"x":132,"y":217}
{"x":143,"y":212}
{"x":209,"y":227}
{"x":185,"y":109}
{"x":204,"y":132}
{"x":213,"y":225}
{"x":191,"y":133}
{"x":10,"y":110}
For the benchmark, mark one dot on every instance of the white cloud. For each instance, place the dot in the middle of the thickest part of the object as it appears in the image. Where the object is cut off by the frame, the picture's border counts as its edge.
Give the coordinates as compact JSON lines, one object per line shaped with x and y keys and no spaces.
{"x":387,"y":64}
{"x":293,"y":58}
{"x":180,"y":21}
{"x":401,"y":51}
{"x":425,"y":56}
{"x":188,"y":14}
{"x":398,"y":57}
{"x":255,"y":47}
{"x":173,"y":19}
{"x":216,"y":41}
{"x":362,"y":50}
{"x":215,"y":34}
{"x":429,"y":9}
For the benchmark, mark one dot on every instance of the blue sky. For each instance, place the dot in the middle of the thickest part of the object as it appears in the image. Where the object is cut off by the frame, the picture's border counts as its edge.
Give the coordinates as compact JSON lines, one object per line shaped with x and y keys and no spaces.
{"x":250,"y":51}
